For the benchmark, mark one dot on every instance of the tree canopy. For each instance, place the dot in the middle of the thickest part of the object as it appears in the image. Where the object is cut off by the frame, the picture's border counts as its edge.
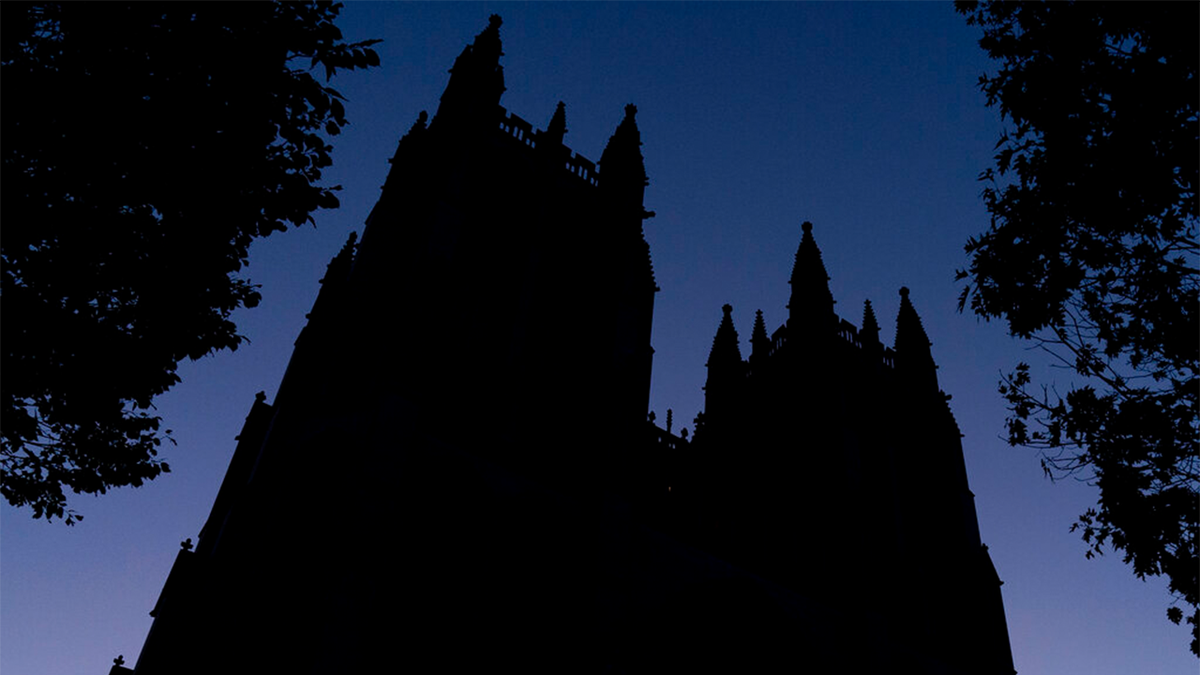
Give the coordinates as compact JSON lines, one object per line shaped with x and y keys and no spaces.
{"x":1092,"y":254}
{"x":145,"y":146}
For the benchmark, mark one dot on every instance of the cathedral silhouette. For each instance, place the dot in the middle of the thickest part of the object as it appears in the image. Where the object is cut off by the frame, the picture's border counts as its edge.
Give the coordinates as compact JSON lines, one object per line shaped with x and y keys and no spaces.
{"x":458,"y":472}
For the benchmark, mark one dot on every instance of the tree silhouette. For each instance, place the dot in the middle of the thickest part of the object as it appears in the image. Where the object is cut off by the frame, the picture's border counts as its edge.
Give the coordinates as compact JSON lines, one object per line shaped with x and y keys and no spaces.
{"x":1091,"y":253}
{"x":145,"y":146}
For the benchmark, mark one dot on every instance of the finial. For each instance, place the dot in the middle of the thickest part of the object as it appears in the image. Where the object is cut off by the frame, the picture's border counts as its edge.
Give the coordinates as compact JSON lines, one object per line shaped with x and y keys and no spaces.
{"x":494,"y":21}
{"x":806,"y":226}
{"x":120,"y":660}
{"x":904,"y":291}
{"x":186,"y":544}
{"x":727,"y":308}
{"x":630,"y":110}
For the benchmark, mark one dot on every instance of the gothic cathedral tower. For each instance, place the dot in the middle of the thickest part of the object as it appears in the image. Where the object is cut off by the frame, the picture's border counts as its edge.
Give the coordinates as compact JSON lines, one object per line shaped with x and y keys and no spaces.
{"x":458,"y":473}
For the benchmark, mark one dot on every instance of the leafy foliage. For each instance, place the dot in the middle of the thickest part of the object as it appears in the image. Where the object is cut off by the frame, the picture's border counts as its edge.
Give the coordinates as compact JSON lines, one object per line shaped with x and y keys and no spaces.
{"x":145,"y":146}
{"x":1091,"y":253}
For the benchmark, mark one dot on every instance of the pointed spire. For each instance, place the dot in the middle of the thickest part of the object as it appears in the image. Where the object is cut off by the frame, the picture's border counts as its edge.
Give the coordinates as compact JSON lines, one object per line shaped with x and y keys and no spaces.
{"x":912,"y":345}
{"x":811,"y":303}
{"x":477,"y":78}
{"x":558,"y":125}
{"x":726,"y":374}
{"x":622,"y":168}
{"x":725,"y":349}
{"x":910,"y":333}
{"x":869,"y":333}
{"x":760,"y":344}
{"x":487,"y":44}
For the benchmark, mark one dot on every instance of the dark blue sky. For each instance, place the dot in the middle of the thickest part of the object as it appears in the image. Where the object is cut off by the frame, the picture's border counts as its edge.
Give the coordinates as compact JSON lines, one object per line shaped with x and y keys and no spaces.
{"x":862,"y":118}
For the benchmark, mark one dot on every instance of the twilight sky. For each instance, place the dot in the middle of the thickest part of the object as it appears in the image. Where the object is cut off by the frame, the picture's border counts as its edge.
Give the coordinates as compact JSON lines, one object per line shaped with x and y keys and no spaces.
{"x":862,"y":118}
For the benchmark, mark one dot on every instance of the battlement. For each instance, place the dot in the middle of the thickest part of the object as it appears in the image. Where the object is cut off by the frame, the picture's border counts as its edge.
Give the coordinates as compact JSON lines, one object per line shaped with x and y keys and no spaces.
{"x":513,"y":125}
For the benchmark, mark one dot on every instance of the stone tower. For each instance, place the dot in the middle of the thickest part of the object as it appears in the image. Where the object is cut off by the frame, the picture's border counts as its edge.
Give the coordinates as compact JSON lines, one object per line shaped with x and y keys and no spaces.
{"x":458,"y":473}
{"x":826,"y":455}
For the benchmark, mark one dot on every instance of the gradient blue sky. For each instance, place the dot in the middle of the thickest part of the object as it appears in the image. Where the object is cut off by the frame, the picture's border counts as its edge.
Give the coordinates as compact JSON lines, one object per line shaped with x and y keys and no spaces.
{"x":862,"y":118}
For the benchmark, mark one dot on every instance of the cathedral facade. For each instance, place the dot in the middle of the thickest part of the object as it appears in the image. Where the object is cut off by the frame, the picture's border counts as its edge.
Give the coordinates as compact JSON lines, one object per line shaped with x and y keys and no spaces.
{"x":420,"y":495}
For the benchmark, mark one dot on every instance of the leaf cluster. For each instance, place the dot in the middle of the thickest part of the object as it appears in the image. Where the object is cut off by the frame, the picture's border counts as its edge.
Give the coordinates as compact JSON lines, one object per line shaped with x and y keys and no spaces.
{"x":1092,"y":255}
{"x":145,"y":146}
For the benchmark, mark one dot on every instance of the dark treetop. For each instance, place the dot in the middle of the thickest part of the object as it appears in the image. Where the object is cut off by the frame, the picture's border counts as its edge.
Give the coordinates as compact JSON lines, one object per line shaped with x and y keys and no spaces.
{"x":1092,"y":254}
{"x":151,"y":144}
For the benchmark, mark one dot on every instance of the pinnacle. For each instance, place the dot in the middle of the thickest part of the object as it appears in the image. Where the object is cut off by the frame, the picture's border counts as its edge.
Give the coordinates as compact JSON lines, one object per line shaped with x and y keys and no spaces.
{"x":622,"y":156}
{"x":912,"y":345}
{"x":810,"y":299}
{"x":557,"y":128}
{"x":870,"y":326}
{"x":910,"y":333}
{"x":725,"y":342}
{"x":759,"y":342}
{"x":760,"y":327}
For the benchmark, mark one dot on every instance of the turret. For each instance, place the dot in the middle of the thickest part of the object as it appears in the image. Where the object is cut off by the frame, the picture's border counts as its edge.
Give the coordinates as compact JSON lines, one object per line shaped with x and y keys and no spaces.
{"x":914,"y":361}
{"x":810,"y":309}
{"x":476,"y":80}
{"x":622,"y":169}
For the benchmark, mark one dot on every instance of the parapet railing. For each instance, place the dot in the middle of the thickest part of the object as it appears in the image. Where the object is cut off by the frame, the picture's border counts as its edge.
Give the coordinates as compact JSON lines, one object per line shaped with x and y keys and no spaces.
{"x":512,"y":125}
{"x":847,"y":331}
{"x":518,"y":128}
{"x":583,"y":167}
